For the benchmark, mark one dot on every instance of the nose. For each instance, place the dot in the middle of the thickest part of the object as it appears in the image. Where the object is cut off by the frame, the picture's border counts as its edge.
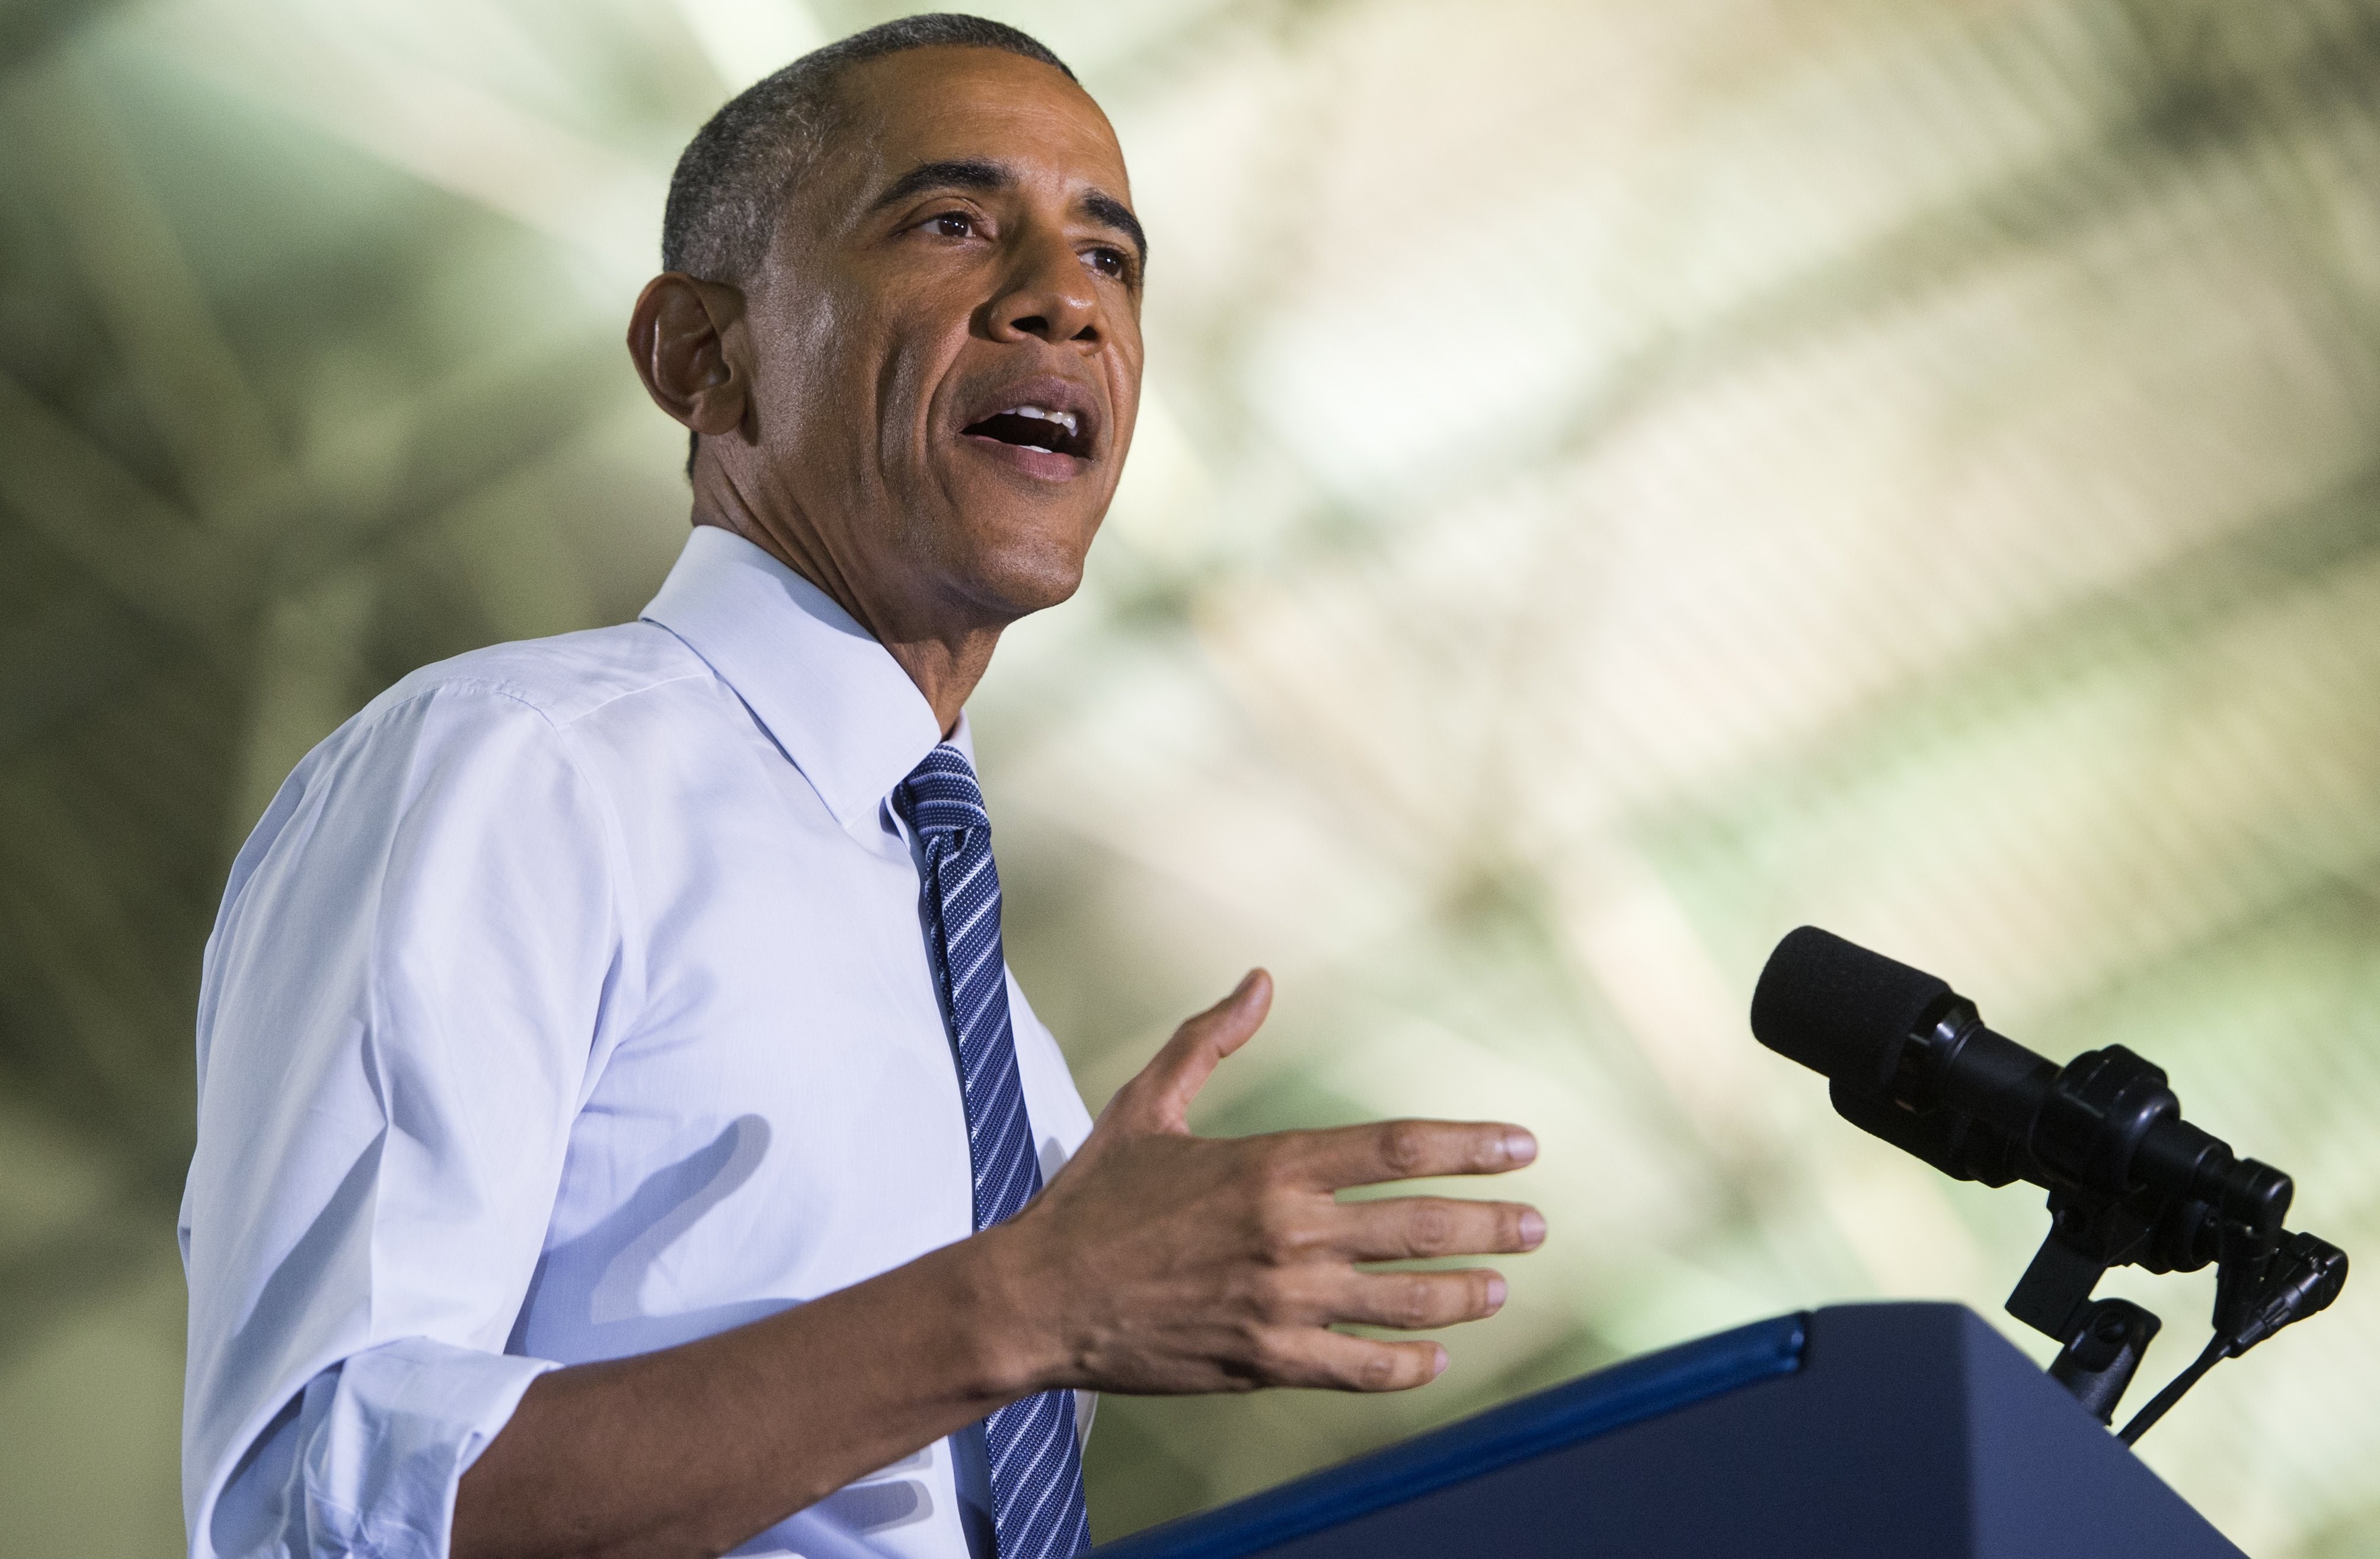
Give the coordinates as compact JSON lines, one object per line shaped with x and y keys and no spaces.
{"x":1048,"y":295}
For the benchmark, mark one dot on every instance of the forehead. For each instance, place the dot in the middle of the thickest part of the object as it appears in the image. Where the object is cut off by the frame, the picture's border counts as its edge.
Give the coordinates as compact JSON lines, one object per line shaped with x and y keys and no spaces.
{"x":938,"y":104}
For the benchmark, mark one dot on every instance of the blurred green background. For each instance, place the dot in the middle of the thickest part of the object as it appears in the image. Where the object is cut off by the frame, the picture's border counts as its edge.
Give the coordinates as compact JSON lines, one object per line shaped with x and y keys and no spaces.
{"x":1618,"y":480}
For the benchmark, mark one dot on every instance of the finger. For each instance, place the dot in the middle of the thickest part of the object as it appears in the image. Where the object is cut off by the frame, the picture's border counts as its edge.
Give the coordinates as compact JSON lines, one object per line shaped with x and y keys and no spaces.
{"x":1417,"y":1301}
{"x":1337,"y":1362}
{"x":1158,"y":1098}
{"x":1383,"y":1150}
{"x":1400,"y":1228}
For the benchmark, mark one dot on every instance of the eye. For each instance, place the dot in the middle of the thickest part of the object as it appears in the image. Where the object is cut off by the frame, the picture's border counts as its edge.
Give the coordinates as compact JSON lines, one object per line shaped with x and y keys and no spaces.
{"x":1109,"y":262}
{"x":951,"y":225}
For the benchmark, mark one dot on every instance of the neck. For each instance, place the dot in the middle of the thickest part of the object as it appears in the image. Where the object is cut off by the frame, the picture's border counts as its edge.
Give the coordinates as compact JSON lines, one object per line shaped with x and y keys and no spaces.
{"x":944,"y":656}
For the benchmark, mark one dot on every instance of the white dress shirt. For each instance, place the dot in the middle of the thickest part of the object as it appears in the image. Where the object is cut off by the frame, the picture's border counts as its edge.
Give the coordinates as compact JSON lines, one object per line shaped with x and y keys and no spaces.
{"x":571,"y":1001}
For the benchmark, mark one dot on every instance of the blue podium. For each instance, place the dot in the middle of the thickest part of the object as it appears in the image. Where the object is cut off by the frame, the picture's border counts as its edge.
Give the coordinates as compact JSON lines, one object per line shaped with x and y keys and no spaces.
{"x":1859,"y":1432}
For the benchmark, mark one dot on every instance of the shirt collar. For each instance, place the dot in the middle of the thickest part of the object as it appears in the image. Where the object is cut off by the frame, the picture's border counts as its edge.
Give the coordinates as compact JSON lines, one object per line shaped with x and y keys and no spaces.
{"x":832,"y":698}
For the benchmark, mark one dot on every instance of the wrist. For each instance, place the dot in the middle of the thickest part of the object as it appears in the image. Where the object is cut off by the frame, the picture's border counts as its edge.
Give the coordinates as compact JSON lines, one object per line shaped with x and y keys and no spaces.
{"x":1006,"y":1303}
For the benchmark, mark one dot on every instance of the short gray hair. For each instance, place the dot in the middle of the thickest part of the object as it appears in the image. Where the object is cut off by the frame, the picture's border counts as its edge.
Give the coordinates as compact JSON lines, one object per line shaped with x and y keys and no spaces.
{"x":734,"y":176}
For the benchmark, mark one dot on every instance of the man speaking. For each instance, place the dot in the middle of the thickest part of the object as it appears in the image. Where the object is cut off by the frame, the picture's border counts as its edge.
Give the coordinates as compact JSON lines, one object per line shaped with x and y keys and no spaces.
{"x":618,"y":1131}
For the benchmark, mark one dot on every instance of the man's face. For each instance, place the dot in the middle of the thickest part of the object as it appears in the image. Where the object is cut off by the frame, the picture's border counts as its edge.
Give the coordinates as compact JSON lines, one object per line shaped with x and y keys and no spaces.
{"x":946,"y":337}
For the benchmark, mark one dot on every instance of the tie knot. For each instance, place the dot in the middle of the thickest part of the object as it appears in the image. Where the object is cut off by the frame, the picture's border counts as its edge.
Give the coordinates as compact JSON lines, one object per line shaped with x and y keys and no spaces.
{"x":941,"y":795}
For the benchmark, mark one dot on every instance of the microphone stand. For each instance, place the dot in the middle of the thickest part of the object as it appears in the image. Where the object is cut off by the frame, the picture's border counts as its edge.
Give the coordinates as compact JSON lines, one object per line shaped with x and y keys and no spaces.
{"x":2261,"y":1285}
{"x":2266,"y":1276}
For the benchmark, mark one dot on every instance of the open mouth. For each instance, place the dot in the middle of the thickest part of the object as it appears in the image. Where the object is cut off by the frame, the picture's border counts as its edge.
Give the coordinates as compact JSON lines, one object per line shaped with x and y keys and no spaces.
{"x":1036,"y":427}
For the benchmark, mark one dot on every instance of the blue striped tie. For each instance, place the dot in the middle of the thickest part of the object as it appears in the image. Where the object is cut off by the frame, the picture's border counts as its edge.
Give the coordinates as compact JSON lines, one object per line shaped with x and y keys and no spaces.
{"x":1037,"y":1468}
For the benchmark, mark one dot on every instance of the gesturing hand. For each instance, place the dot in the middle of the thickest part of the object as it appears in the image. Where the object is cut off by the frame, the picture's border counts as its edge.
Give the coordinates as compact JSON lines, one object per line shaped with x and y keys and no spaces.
{"x":1157,"y":1261}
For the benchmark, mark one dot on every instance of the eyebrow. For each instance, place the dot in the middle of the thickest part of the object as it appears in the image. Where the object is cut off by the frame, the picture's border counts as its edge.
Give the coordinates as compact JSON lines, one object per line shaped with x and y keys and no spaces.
{"x":958,"y":173}
{"x":982,"y":174}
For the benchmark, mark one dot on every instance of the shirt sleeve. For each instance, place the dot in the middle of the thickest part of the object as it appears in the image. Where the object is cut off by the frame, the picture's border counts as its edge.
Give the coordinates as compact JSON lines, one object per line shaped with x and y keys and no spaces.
{"x":418,"y":952}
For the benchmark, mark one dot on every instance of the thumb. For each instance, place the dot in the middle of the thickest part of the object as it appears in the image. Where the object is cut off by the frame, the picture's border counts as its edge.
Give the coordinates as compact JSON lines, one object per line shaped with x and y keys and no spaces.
{"x":1159,"y":1098}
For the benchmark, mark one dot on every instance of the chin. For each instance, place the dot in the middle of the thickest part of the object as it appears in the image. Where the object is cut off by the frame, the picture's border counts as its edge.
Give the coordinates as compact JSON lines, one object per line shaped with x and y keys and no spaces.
{"x":1018,"y":582}
{"x":1019,"y":564}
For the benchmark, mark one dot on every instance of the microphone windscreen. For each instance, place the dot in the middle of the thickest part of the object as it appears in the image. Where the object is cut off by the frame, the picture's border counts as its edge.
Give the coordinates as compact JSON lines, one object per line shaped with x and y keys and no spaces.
{"x":1834,"y":1007}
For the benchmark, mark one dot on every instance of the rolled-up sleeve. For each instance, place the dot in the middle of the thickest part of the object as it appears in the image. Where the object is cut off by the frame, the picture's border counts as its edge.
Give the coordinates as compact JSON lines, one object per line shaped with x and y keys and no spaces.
{"x":418,"y":958}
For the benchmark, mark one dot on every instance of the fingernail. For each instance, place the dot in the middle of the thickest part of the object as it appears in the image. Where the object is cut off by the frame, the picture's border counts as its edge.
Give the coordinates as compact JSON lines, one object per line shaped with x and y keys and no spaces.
{"x":1439,"y":1368}
{"x":1533,"y":1229}
{"x":1495,"y":1292}
{"x":1519,"y":1147}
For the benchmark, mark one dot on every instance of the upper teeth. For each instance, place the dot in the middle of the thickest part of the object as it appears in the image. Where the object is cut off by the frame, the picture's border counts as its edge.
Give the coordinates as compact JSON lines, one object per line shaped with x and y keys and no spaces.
{"x":1040,"y":413}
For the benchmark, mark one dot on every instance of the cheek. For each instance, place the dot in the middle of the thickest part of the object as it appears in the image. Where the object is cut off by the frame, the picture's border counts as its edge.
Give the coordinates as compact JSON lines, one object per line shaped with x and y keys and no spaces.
{"x":913,"y":367}
{"x":1125,"y":396}
{"x":808,"y":369}
{"x":825,"y":363}
{"x":910,"y":374}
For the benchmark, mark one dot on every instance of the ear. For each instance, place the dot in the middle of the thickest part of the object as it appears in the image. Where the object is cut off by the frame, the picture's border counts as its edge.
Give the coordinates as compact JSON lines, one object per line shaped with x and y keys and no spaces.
{"x":689,"y":341}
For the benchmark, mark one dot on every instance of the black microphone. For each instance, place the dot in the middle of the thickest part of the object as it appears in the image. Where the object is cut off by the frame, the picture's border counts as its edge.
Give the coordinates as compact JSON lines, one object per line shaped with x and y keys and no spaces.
{"x":1909,"y":1060}
{"x":2131,"y":1183}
